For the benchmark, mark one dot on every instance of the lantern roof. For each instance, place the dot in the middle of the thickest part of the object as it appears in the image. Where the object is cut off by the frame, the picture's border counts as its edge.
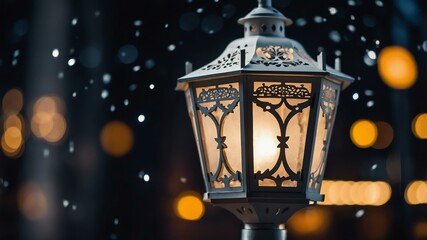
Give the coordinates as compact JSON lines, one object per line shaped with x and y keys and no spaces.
{"x":265,"y":50}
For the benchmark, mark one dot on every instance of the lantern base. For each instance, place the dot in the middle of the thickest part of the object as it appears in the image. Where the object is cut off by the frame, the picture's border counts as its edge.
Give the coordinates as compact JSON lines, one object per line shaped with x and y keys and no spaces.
{"x":261,"y":231}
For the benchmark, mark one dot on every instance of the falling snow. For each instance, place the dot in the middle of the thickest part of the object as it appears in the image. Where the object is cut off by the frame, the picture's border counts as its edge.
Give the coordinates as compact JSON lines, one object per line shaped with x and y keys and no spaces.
{"x":71,"y":62}
{"x":104,"y":94}
{"x":55,"y":53}
{"x":359,"y":213}
{"x":106,"y":78}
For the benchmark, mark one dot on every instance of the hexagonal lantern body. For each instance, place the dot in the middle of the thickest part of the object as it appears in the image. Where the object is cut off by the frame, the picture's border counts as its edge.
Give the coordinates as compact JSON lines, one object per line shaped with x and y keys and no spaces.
{"x":262,"y":115}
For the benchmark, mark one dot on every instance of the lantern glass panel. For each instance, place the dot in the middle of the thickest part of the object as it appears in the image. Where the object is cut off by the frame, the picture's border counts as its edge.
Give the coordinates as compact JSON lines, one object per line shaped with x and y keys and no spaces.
{"x":328,"y":103}
{"x":219,"y":117}
{"x":280,"y":121}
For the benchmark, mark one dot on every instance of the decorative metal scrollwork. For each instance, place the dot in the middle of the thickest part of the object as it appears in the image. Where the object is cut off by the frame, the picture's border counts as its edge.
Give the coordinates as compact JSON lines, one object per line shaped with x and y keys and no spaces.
{"x":218,"y":95}
{"x":277,"y":56}
{"x":229,"y":60}
{"x":284,"y":92}
{"x":328,"y":101}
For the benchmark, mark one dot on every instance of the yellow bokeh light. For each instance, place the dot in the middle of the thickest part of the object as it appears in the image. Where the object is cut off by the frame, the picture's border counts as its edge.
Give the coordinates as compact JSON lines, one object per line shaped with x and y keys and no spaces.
{"x":416,"y":192}
{"x":345,"y":192}
{"x":12,"y":102}
{"x":310,"y":221}
{"x":355,"y":193}
{"x":363,"y":133}
{"x":32,"y":202}
{"x":47,"y":105}
{"x":42,"y":124}
{"x":189,"y":206}
{"x":47,"y":121}
{"x":385,"y":190}
{"x":13,"y":121}
{"x":13,"y":138}
{"x":397,"y":67}
{"x":116,"y":138}
{"x":419,"y":126}
{"x":58,"y":130}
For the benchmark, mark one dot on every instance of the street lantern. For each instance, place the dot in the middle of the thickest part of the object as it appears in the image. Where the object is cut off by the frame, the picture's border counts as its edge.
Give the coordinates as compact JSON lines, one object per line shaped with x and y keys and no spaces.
{"x":262,"y":115}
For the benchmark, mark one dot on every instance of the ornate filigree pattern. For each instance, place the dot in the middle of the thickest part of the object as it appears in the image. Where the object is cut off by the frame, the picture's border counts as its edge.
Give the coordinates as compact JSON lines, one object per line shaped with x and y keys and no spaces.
{"x":218,"y":95}
{"x":283,"y":92}
{"x":328,"y":101}
{"x":277,"y":56}
{"x":228,"y":60}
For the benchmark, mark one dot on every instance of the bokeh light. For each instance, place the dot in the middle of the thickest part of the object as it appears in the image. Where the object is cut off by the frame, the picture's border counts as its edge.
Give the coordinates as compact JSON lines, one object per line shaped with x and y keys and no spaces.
{"x":355,"y":193}
{"x":189,"y":21}
{"x":12,"y":142}
{"x":47,"y":121}
{"x":310,"y":222}
{"x":116,"y":138}
{"x":12,"y":138}
{"x":12,"y":102}
{"x":420,"y":230}
{"x":363,"y":133}
{"x":189,"y":206}
{"x":90,"y":57}
{"x":419,"y":126}
{"x":32,"y":202}
{"x":13,"y":121}
{"x":127,"y":54}
{"x":397,"y":67}
{"x":416,"y":192}
{"x":385,"y":135}
{"x":212,"y":23}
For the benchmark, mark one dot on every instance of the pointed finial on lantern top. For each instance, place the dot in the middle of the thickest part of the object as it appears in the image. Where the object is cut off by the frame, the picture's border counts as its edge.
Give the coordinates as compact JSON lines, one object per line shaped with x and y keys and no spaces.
{"x":264,"y":3}
{"x":265,"y":21}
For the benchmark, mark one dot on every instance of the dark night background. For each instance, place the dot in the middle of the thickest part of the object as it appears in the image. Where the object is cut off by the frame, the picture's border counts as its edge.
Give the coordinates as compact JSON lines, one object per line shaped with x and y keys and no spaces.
{"x":108,"y":196}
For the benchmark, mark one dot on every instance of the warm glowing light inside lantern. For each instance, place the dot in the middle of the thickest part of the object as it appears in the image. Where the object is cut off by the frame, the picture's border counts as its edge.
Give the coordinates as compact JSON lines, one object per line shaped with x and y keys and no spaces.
{"x":267,"y":134}
{"x":228,"y":126}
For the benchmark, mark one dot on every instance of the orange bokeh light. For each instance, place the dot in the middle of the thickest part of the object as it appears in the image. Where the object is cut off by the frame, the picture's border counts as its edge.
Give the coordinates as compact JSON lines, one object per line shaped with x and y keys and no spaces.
{"x":47,"y":121}
{"x":419,"y":126}
{"x":397,"y":67}
{"x":116,"y":138}
{"x":12,"y":102}
{"x":189,"y":206}
{"x":363,"y":133}
{"x":32,"y":202}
